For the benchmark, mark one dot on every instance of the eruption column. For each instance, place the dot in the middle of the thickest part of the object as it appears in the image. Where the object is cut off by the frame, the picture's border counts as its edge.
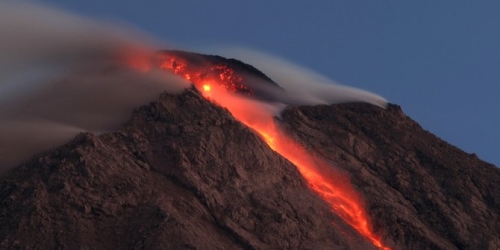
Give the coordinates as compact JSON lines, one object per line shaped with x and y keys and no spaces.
{"x":332,"y":186}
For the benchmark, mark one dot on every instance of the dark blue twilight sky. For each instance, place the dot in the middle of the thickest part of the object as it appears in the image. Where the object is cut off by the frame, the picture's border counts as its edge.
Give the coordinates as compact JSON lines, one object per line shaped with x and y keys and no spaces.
{"x":439,"y":60}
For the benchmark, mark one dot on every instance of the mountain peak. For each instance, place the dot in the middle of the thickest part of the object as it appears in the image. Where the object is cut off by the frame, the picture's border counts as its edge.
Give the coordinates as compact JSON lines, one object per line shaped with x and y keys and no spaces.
{"x":184,"y":173}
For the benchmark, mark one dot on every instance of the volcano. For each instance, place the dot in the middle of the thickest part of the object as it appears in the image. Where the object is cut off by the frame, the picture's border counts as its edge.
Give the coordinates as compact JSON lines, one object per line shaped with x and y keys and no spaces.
{"x":188,"y":172}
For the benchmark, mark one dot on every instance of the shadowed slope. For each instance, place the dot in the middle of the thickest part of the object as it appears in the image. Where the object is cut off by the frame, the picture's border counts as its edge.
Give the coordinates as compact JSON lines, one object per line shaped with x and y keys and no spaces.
{"x":182,"y":174}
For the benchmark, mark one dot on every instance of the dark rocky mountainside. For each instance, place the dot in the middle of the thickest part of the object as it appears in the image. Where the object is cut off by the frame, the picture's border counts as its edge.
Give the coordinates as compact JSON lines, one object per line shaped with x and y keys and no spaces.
{"x":423,"y":192}
{"x":184,"y":174}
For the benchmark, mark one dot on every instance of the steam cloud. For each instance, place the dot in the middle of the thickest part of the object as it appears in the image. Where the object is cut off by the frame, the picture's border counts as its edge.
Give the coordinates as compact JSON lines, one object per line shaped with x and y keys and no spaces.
{"x":61,"y":74}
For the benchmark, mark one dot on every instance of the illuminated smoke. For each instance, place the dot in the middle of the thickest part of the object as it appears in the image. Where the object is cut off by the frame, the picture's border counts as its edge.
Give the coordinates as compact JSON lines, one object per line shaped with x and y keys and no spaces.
{"x":61,"y":74}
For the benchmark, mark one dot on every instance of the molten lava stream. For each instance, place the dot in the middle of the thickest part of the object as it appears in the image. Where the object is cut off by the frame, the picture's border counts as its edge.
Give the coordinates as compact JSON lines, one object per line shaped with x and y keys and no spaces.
{"x":332,"y":186}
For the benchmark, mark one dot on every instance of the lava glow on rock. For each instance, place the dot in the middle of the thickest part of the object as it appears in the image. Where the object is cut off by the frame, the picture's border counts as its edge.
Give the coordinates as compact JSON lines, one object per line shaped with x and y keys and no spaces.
{"x":204,"y":75}
{"x":218,"y":83}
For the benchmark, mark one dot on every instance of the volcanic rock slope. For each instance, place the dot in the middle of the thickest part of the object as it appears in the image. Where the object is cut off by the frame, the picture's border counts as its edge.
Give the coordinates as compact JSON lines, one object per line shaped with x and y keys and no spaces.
{"x":421,"y":192}
{"x":184,"y":174}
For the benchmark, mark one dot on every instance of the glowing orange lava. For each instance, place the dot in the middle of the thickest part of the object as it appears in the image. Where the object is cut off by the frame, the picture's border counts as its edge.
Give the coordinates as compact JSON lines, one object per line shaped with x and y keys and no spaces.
{"x":333,"y":186}
{"x":206,"y":87}
{"x":199,"y":73}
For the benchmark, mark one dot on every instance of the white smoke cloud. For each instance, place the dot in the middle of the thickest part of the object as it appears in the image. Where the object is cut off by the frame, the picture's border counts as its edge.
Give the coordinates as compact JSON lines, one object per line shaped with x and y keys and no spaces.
{"x":61,"y":74}
{"x":302,"y":86}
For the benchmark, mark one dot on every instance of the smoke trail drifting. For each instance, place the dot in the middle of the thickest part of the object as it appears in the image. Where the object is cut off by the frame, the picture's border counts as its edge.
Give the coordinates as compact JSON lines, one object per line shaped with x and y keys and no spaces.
{"x":61,"y":74}
{"x":302,"y":86}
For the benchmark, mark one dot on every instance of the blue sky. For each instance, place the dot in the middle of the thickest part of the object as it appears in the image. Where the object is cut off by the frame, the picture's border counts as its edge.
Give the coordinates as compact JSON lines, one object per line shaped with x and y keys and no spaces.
{"x":439,"y":60}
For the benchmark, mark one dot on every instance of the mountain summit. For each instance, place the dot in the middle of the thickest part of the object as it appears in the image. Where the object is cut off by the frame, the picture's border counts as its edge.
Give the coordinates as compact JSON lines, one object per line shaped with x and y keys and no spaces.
{"x":183,"y":173}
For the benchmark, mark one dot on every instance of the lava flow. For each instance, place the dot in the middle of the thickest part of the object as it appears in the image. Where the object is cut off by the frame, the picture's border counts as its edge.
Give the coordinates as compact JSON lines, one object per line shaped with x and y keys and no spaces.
{"x":219,"y":83}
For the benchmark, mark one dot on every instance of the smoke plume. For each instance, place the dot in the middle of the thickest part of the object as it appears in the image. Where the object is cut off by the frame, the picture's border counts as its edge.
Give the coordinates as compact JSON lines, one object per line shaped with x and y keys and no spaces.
{"x":302,"y":86}
{"x":61,"y":74}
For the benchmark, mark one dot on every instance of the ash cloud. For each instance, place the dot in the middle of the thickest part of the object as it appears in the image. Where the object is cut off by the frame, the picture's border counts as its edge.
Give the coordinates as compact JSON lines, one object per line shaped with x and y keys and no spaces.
{"x":61,"y":74}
